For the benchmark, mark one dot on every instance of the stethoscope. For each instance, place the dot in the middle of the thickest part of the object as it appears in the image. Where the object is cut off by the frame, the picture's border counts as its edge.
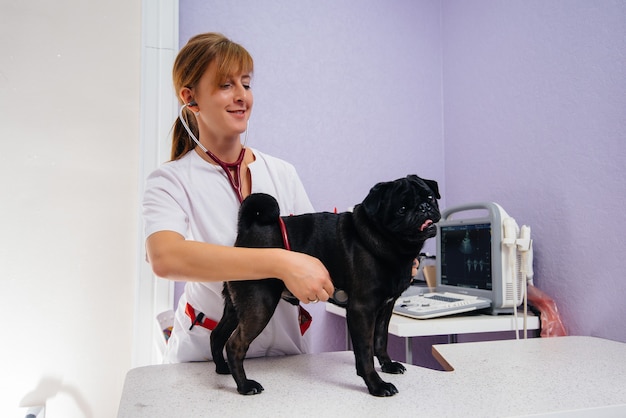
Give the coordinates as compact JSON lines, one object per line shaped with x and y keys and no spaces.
{"x":235,"y":181}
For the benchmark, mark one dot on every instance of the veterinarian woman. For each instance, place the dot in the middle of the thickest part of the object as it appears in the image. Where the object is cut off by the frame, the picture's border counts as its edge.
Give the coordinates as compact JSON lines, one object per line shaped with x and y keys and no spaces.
{"x":191,"y":203}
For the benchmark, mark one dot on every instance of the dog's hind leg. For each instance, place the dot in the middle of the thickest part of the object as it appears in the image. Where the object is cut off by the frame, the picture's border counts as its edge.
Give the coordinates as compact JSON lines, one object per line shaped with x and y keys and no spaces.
{"x":259,"y":300}
{"x":222,"y":332}
{"x":380,"y":341}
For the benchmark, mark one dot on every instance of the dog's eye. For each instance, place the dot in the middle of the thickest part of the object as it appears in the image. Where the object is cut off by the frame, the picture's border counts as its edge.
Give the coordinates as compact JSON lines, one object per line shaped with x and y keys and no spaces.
{"x":402,"y":210}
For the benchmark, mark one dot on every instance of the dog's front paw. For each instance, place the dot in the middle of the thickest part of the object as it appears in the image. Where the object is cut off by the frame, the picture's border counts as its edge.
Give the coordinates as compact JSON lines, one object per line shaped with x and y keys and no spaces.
{"x":393,"y":367}
{"x":383,"y":389}
{"x":250,"y":387}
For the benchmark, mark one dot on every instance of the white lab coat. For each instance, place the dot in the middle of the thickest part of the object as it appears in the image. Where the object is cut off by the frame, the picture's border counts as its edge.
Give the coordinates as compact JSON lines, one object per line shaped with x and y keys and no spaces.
{"x":194,"y":198}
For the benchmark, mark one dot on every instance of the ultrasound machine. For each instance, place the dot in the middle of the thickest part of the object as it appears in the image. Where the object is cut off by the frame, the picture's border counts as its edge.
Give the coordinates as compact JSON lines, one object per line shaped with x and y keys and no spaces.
{"x":483,"y":262}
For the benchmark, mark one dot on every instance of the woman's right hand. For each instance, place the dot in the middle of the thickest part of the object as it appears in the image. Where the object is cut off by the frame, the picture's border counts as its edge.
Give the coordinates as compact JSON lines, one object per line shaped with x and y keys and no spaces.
{"x":306,"y":277}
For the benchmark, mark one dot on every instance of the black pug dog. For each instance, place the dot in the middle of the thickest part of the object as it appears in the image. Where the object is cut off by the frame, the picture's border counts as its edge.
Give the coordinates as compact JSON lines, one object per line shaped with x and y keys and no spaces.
{"x":369,"y":254}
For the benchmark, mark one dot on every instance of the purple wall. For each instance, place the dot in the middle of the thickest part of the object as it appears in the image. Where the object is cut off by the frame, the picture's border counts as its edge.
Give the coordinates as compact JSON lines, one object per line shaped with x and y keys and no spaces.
{"x":535,"y":119}
{"x":519,"y":102}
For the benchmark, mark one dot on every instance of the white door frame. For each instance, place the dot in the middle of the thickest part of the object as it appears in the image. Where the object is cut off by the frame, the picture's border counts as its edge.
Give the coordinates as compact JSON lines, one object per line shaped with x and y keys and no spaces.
{"x":159,"y":46}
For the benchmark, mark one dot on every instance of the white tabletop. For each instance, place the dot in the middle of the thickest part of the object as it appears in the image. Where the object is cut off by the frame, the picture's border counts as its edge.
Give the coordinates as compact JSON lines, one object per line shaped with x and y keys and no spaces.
{"x":564,"y":376}
{"x":490,"y":379}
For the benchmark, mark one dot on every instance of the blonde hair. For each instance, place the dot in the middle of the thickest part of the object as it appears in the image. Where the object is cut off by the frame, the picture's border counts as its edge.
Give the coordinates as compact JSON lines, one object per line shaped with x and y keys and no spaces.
{"x":190,"y":65}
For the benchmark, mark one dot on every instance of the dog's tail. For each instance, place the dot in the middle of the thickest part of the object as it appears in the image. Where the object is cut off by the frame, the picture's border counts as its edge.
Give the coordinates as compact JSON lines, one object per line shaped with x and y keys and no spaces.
{"x":259,"y":209}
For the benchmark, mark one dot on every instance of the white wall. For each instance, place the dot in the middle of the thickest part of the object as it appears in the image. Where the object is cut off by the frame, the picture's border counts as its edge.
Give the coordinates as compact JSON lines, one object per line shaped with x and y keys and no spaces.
{"x":69,"y":129}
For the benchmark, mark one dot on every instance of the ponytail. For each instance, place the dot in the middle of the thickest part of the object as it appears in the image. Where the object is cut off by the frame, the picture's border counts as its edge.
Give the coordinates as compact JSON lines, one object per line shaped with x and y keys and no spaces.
{"x":181,"y":142}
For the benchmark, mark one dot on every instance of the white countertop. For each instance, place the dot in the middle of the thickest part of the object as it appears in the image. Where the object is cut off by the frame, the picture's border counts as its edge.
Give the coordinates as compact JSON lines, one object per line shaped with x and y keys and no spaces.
{"x":490,"y":379}
{"x":557,"y":375}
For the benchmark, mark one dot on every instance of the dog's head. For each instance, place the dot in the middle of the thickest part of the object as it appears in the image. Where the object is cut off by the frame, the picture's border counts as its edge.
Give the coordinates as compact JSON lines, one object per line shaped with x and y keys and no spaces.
{"x":405,"y":208}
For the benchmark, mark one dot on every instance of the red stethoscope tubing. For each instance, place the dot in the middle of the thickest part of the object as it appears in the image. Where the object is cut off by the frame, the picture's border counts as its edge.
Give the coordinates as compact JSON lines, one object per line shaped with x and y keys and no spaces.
{"x":235,"y":181}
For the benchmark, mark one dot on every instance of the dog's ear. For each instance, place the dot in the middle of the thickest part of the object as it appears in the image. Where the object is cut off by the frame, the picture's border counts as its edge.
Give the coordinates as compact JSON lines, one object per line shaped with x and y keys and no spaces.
{"x":433,"y":186}
{"x":373,"y":200}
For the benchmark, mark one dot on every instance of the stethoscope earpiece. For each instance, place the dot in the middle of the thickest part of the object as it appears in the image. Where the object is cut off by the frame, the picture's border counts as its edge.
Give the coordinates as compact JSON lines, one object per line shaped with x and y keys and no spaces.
{"x":192,"y":103}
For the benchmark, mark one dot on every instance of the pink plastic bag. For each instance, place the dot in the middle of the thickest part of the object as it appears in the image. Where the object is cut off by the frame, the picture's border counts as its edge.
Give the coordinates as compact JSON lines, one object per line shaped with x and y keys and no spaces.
{"x":551,"y":324}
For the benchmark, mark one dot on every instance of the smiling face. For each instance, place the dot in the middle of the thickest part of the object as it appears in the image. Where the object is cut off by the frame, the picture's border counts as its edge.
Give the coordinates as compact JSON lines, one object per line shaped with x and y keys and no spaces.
{"x":224,"y":104}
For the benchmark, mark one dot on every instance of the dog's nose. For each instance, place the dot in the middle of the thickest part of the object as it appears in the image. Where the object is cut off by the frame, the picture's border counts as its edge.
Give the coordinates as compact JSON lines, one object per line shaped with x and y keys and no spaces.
{"x":424,"y":207}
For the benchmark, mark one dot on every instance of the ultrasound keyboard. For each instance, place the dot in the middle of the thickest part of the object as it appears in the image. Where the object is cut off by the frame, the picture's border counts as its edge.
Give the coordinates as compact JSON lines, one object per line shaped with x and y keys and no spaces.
{"x":433,"y":305}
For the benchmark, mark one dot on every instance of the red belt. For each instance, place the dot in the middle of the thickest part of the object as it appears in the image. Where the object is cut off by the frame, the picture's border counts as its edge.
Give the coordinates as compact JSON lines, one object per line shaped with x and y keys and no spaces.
{"x":200,"y":319}
{"x":304,"y":319}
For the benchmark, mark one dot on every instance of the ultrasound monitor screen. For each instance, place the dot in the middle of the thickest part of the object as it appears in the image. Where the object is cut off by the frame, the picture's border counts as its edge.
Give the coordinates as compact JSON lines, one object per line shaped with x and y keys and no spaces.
{"x":466,"y":256}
